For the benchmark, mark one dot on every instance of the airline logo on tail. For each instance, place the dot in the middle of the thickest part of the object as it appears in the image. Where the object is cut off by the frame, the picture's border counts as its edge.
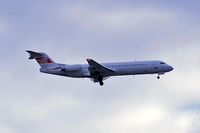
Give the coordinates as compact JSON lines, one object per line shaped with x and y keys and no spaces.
{"x":42,"y":60}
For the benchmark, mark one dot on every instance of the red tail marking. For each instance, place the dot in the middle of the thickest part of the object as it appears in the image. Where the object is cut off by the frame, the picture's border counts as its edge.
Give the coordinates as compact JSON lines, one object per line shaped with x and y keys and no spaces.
{"x":42,"y":60}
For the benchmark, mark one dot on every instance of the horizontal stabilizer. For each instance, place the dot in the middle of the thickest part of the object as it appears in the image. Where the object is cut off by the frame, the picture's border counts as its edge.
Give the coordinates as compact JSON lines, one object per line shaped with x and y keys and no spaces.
{"x":34,"y":55}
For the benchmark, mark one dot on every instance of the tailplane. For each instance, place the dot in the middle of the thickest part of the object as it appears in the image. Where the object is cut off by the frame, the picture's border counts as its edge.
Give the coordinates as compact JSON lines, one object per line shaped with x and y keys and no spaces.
{"x":43,"y":59}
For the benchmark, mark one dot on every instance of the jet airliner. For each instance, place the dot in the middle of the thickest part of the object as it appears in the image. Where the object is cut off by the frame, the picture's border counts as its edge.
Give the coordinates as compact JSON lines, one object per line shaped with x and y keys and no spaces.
{"x":98,"y":72}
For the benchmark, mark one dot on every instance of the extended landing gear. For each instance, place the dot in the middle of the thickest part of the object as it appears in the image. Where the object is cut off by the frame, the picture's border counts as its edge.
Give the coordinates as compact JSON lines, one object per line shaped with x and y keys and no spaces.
{"x":100,"y":79}
{"x":161,"y":73}
{"x":101,"y":83}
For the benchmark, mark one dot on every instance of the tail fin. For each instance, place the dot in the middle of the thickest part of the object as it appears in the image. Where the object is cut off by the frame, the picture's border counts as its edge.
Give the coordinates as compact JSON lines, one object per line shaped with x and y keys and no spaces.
{"x":43,"y":59}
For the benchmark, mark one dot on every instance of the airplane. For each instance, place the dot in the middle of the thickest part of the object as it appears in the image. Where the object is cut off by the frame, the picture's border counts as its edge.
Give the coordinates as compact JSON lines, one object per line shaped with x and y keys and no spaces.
{"x":99,"y":72}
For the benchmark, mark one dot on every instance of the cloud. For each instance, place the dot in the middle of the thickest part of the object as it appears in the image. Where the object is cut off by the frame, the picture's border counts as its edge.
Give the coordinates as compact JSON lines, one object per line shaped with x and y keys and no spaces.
{"x":6,"y":129}
{"x":125,"y":19}
{"x":146,"y":117}
{"x":70,"y":33}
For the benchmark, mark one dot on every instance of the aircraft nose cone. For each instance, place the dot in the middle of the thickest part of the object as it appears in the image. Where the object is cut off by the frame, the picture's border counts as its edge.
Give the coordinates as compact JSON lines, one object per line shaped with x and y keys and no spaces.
{"x":171,"y":68}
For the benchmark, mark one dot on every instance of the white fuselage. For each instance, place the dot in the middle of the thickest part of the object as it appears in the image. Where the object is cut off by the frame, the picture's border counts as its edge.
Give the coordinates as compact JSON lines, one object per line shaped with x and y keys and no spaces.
{"x":120,"y":68}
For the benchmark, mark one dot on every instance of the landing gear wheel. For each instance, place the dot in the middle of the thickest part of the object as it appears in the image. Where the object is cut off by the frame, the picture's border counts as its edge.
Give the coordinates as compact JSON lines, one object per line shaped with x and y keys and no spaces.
{"x":158,"y":77}
{"x":101,"y":83}
{"x":100,"y":78}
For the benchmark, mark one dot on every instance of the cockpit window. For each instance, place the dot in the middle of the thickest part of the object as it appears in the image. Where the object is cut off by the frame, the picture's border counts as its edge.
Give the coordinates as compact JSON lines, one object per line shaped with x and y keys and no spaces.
{"x":162,"y":63}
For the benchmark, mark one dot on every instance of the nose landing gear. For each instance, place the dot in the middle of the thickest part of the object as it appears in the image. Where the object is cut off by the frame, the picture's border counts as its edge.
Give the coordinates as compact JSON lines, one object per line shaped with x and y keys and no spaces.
{"x":161,"y":73}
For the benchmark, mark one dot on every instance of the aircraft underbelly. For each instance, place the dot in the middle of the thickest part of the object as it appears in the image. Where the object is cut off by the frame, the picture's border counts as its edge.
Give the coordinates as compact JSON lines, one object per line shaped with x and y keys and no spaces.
{"x":77,"y":74}
{"x":136,"y":70}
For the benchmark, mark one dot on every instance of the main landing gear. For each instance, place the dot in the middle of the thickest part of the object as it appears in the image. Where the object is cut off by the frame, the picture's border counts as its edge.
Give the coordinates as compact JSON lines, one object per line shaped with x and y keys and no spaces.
{"x":100,"y":79}
{"x":158,"y":77}
{"x":101,"y":83}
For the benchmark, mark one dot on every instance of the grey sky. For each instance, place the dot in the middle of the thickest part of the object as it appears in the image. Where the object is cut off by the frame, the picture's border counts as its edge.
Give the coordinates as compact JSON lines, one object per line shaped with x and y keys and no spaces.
{"x":70,"y":32}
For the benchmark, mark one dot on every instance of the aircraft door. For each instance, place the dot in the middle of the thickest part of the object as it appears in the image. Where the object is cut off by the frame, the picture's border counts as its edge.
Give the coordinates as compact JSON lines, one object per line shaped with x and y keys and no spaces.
{"x":155,"y":68}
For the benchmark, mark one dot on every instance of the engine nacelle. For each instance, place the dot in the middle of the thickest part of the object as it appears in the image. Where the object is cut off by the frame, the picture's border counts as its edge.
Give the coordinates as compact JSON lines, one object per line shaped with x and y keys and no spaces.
{"x":72,"y":68}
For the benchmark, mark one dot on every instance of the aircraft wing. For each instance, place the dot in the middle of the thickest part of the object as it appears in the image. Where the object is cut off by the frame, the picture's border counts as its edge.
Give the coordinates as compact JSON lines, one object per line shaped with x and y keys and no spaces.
{"x":96,"y":68}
